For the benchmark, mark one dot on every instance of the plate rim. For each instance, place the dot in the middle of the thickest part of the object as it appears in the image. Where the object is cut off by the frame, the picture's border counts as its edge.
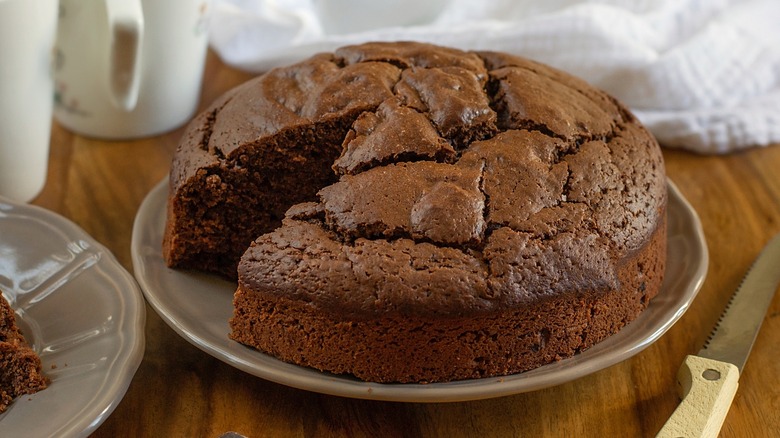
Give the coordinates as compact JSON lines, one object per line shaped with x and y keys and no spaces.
{"x":126,"y":362}
{"x":315,"y":381}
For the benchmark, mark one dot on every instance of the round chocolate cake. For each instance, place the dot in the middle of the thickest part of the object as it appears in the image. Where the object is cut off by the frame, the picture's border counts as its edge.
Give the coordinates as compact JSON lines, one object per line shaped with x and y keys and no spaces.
{"x":404,"y":212}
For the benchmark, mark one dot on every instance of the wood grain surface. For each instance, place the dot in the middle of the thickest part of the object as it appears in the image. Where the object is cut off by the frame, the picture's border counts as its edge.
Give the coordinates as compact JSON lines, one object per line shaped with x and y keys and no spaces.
{"x":179,"y":391}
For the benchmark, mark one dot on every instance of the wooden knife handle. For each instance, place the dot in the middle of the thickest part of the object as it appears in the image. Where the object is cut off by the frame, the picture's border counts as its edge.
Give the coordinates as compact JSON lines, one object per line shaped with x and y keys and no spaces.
{"x":707,"y":388}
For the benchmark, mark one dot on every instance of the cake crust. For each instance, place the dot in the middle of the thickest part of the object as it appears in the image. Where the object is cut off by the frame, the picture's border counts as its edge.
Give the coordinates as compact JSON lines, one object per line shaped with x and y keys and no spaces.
{"x":20,"y":366}
{"x":416,"y":348}
{"x":404,"y":212}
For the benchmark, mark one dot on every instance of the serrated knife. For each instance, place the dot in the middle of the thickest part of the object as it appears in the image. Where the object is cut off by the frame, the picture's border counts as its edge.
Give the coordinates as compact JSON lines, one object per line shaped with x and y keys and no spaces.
{"x":708,"y":380}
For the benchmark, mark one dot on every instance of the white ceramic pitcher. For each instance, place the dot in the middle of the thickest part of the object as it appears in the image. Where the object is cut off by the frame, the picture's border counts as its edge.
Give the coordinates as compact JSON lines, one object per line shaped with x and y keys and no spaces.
{"x":26,"y":38}
{"x":128,"y":68}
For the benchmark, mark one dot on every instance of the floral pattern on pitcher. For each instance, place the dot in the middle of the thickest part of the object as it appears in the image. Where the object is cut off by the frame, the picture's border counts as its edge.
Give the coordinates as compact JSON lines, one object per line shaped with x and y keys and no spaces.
{"x":60,"y":87}
{"x":61,"y":102}
{"x":202,"y":23}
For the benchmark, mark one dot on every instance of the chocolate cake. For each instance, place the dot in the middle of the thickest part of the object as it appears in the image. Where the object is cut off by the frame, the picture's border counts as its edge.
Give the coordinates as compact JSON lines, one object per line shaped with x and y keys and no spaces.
{"x":404,"y":212}
{"x":20,"y":367}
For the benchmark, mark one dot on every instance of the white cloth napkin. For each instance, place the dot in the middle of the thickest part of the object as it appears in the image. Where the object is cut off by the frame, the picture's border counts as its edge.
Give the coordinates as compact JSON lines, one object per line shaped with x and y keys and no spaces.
{"x":703,"y":75}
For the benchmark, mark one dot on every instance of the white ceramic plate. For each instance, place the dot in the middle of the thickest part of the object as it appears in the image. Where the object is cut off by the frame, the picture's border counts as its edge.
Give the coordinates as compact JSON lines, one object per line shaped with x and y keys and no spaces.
{"x":198,"y":307}
{"x":80,"y":311}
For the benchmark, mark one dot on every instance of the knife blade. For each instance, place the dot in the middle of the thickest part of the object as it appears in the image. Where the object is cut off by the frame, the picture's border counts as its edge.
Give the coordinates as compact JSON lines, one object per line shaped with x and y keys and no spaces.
{"x":709,"y":379}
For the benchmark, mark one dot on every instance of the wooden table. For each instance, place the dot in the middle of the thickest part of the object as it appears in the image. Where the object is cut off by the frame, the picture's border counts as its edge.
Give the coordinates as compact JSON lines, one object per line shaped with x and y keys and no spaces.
{"x":180,"y":391}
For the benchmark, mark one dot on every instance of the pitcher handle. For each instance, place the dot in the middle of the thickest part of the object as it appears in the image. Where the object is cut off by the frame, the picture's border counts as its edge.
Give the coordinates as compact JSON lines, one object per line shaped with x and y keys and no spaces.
{"x":126,"y":28}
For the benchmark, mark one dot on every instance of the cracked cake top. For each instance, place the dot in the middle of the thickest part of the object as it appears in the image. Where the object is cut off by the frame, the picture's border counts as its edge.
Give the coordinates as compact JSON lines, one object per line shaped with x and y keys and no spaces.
{"x":466,"y":181}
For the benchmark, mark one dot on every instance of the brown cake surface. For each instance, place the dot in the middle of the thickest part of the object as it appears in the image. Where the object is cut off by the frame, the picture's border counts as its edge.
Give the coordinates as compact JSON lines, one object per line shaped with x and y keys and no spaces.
{"x":418,"y":213}
{"x":20,"y":367}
